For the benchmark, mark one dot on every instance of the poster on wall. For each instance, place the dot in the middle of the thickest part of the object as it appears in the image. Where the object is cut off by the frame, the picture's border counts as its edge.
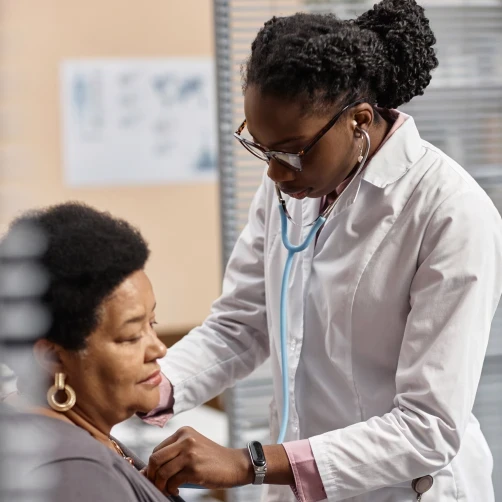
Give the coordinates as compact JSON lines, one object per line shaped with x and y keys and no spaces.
{"x":138,"y":121}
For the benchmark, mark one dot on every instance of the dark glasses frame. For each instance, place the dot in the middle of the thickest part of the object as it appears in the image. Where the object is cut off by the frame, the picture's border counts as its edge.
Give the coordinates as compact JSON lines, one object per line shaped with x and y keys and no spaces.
{"x":292,"y":161}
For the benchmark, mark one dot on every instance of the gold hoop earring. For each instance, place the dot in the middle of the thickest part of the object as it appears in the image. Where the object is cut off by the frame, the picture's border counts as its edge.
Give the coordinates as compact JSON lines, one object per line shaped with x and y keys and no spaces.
{"x":59,"y":384}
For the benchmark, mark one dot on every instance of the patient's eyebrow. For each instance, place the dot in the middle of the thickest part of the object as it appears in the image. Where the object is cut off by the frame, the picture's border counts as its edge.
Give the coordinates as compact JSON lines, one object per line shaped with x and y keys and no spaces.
{"x":138,"y":318}
{"x":134,"y":320}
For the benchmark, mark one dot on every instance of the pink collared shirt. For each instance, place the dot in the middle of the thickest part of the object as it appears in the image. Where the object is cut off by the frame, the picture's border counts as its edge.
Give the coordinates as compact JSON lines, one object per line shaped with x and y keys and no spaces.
{"x":308,"y":484}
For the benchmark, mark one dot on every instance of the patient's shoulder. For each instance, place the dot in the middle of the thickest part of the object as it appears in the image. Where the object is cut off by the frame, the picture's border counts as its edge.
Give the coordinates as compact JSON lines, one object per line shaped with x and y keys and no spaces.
{"x":59,"y":440}
{"x":49,"y":456}
{"x":81,"y":480}
{"x":67,"y":460}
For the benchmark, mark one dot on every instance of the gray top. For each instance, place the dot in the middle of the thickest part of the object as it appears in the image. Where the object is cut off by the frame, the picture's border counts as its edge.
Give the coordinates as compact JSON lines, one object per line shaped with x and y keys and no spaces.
{"x":61,"y":462}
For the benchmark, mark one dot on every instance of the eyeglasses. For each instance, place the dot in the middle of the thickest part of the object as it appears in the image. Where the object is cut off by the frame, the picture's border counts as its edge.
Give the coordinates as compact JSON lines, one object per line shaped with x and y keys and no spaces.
{"x":292,"y":161}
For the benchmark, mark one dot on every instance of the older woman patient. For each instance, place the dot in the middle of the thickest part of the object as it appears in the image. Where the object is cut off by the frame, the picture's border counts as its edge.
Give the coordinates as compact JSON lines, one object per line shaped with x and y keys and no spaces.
{"x":97,"y":364}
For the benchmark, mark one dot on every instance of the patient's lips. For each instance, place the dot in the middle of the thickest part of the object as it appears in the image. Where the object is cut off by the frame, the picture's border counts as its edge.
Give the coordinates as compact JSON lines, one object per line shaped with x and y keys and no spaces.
{"x":153,"y":380}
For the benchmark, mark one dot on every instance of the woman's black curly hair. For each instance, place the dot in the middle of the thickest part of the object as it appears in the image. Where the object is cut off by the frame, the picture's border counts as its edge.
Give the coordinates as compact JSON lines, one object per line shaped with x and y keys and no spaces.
{"x":386,"y":56}
{"x":88,"y":253}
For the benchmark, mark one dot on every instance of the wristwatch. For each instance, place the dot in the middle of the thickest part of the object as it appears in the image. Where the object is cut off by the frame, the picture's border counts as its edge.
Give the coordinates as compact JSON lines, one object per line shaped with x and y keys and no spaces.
{"x":258,"y":460}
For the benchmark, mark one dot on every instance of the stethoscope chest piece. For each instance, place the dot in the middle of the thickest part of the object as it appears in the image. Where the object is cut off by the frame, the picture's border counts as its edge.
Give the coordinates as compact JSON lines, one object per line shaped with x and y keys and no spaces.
{"x":422,"y":485}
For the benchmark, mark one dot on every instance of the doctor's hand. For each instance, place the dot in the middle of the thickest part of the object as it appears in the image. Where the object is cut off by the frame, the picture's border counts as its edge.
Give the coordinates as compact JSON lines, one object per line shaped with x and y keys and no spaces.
{"x":190,"y":457}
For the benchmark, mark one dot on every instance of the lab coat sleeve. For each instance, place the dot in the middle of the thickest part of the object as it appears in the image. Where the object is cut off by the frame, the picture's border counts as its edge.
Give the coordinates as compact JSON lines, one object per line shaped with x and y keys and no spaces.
{"x":453,"y":299}
{"x":233,"y":340}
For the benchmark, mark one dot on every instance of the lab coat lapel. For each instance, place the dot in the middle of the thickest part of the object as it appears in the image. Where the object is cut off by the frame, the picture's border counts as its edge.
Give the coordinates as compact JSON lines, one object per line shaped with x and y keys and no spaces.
{"x":347,"y":198}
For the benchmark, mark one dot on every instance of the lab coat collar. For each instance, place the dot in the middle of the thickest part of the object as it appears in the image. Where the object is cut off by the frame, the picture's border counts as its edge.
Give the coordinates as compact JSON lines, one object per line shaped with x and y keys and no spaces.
{"x":394,"y":159}
{"x":396,"y":156}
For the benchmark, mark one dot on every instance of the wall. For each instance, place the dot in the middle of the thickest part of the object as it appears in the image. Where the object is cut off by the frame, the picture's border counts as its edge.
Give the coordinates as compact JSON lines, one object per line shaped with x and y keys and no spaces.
{"x":35,"y":36}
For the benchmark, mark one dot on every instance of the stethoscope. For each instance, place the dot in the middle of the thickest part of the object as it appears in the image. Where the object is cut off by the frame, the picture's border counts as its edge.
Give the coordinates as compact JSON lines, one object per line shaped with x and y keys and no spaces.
{"x":292,"y":251}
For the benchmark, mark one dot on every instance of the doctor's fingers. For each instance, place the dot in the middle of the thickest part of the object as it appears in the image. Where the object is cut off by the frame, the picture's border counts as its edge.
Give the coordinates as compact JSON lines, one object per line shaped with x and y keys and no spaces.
{"x":170,"y":440}
{"x":170,"y":476}
{"x":162,"y":455}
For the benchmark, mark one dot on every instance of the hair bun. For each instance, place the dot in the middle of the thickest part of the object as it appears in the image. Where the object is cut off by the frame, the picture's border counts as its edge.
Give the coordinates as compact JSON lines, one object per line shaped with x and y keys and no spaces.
{"x":409,"y":40}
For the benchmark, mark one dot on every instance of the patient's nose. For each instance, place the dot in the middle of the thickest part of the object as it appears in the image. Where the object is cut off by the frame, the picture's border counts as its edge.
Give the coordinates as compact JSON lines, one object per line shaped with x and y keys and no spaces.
{"x":156,"y":348}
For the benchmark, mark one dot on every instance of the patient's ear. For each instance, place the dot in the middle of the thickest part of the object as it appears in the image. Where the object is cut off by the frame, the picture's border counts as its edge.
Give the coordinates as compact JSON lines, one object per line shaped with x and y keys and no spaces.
{"x":47,"y":355}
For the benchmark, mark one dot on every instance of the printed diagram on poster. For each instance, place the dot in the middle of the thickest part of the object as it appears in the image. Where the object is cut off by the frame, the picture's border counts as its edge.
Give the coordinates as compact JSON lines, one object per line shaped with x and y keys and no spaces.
{"x":138,"y":121}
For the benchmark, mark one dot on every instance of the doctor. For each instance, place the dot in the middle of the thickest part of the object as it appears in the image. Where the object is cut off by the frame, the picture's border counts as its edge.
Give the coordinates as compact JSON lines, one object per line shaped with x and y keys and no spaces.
{"x":389,"y":308}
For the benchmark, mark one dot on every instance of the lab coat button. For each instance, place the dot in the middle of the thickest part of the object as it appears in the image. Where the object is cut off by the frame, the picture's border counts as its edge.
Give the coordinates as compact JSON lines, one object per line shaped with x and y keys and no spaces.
{"x":423,"y":484}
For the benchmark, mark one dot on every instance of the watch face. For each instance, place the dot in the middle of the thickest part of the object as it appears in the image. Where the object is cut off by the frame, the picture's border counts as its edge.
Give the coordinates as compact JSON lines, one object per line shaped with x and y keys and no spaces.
{"x":257,"y":454}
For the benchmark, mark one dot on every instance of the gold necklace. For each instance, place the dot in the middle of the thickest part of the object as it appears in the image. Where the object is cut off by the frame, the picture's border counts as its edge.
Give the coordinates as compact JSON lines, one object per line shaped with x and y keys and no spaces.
{"x":121,"y":452}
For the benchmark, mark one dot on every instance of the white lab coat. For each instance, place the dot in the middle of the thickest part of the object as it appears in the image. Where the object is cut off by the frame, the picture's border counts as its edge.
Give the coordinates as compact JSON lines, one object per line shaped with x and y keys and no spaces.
{"x":389,"y":318}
